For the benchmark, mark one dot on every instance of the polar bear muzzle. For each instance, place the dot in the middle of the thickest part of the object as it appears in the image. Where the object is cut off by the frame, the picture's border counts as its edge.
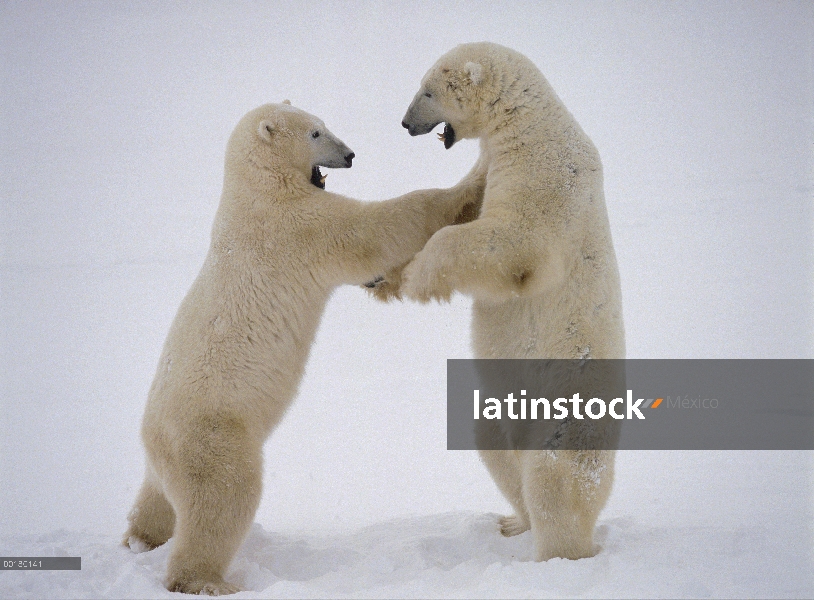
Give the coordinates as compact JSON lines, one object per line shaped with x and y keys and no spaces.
{"x":318,"y":179}
{"x":448,"y":135}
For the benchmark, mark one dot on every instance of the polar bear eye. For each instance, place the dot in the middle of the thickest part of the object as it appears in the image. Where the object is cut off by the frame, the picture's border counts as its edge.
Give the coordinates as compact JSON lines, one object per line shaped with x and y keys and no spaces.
{"x":428,"y":95}
{"x":315,"y":135}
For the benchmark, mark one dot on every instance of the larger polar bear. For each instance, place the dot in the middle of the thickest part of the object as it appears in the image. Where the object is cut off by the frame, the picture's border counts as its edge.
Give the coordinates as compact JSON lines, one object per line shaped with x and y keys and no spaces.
{"x":538,"y":261}
{"x":235,"y":353}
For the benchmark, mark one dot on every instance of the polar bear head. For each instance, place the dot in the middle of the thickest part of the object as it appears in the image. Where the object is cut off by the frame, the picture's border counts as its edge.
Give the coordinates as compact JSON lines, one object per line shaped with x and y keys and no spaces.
{"x":281,"y":138}
{"x":463,"y":88}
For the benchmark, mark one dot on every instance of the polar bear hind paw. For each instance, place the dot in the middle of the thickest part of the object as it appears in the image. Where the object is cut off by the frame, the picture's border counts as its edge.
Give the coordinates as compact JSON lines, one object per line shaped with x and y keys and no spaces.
{"x":204,"y":588}
{"x":513,"y":525}
{"x":138,"y":544}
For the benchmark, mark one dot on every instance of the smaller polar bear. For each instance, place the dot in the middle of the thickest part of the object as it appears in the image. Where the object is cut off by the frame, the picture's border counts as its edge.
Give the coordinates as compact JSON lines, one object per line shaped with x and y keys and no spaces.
{"x":237,"y":348}
{"x":540,"y":265}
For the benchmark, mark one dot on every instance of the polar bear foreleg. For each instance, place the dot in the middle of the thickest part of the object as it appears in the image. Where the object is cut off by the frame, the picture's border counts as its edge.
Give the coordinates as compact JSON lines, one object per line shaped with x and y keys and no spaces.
{"x":485,"y":258}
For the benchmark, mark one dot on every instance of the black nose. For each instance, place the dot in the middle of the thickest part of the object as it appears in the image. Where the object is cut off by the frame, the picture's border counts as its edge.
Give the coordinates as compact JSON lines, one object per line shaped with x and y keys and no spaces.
{"x":403,"y":124}
{"x":349,"y":158}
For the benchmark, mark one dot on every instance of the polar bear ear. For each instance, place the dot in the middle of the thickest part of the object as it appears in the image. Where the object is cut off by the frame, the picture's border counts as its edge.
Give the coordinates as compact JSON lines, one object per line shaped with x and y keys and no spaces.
{"x":475,"y":72}
{"x":267,"y":129}
{"x":287,"y":102}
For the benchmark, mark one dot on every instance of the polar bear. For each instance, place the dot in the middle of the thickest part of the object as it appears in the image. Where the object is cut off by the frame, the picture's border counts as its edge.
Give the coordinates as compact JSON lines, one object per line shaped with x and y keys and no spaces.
{"x":236,"y":350}
{"x":539,"y":263}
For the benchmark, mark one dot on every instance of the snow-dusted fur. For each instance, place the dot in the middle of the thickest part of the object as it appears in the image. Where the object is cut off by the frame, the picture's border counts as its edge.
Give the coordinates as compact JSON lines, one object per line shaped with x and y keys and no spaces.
{"x":235,"y":353}
{"x":538,"y":261}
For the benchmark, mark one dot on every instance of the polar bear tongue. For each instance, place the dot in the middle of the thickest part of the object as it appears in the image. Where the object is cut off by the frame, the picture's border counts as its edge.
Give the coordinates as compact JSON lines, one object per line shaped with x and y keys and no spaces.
{"x":448,"y":137}
{"x":317,"y":178}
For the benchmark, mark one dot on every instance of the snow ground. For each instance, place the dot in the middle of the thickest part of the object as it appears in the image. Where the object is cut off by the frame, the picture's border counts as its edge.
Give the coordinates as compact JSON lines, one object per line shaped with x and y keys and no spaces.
{"x":682,"y":530}
{"x":114,"y":119}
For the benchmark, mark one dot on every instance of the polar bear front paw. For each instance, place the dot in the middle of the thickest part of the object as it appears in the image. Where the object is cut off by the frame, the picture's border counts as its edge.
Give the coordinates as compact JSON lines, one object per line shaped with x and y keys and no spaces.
{"x":423,"y":282}
{"x":387,"y":287}
{"x":383,"y":290}
{"x":377,"y":282}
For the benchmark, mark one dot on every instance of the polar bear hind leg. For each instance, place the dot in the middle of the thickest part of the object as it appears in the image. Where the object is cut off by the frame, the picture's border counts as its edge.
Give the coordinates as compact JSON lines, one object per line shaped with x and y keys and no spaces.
{"x":565,"y":490}
{"x":152,"y":519}
{"x":504,"y":467}
{"x":216,"y":488}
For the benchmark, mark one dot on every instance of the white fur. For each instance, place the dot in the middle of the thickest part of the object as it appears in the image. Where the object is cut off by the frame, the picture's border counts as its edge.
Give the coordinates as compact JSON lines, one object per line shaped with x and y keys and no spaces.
{"x":538,"y":261}
{"x":236,"y":350}
{"x":475,"y":72}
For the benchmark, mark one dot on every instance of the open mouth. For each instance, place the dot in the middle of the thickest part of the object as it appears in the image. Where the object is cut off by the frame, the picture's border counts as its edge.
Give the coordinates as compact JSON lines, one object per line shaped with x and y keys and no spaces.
{"x":317,"y":178}
{"x":448,"y":136}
